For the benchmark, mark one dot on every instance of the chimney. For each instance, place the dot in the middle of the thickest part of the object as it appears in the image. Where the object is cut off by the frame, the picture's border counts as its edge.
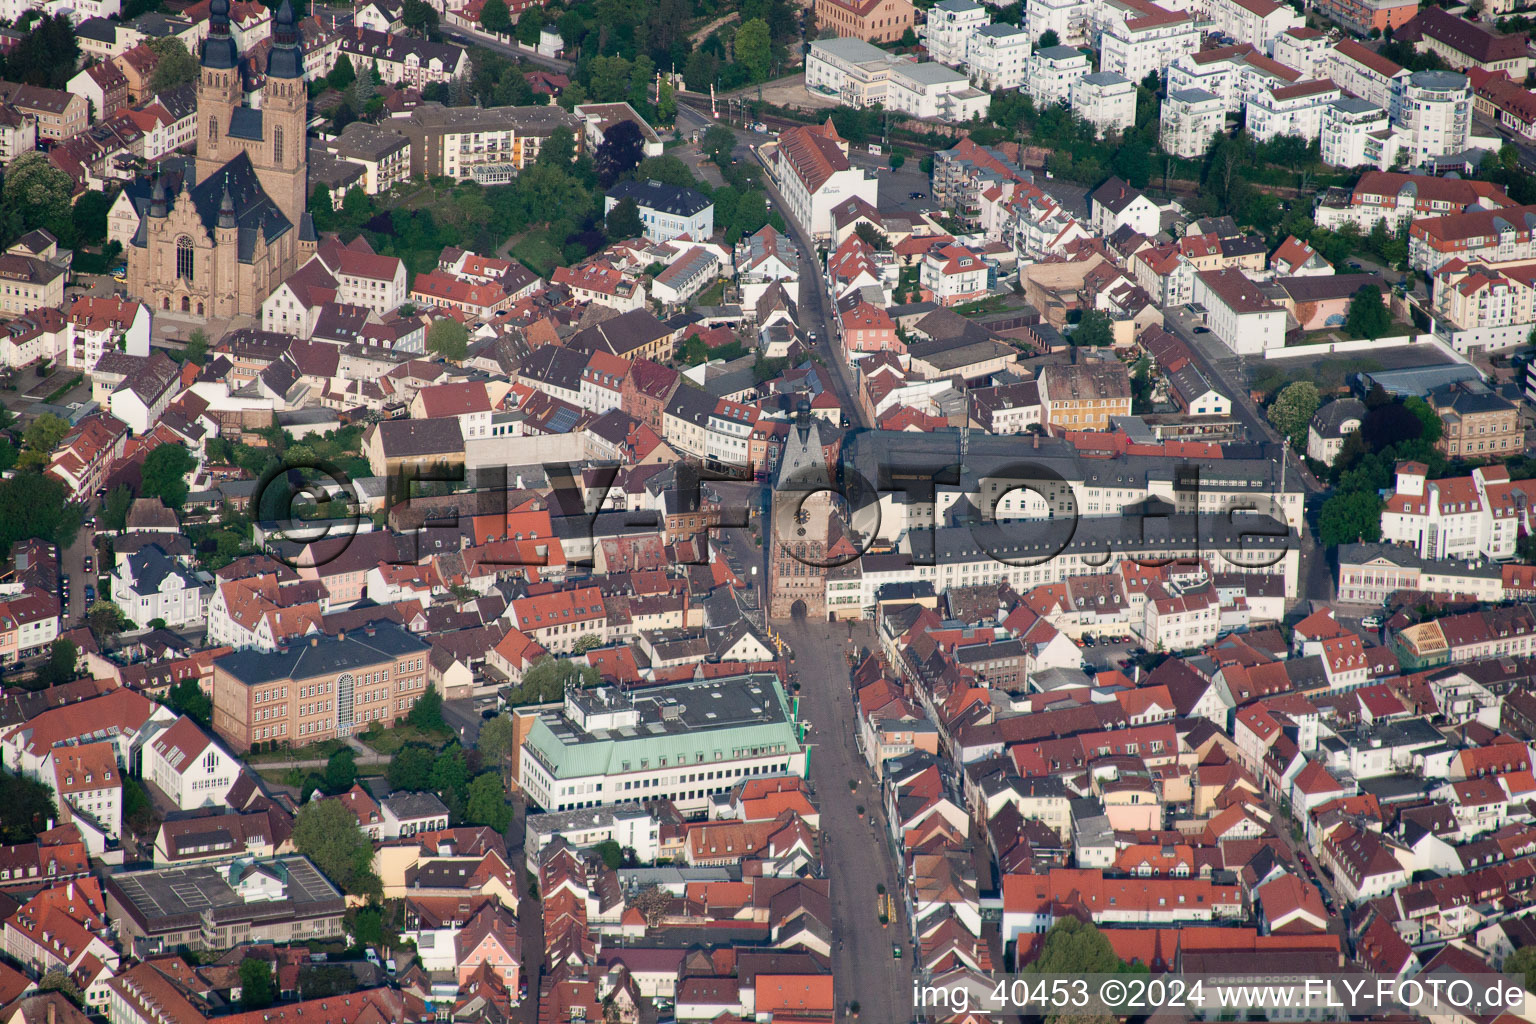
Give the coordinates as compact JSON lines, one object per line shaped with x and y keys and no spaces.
{"x":341,"y":634}
{"x":52,"y":1012}
{"x":314,"y":641}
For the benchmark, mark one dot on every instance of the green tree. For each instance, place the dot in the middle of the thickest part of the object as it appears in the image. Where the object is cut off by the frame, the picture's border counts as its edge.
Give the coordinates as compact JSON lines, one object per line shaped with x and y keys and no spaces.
{"x":448,"y":338}
{"x":754,"y":49}
{"x":1293,"y":409}
{"x":411,"y":768}
{"x":258,"y":990}
{"x":608,"y":81}
{"x":419,"y":17}
{"x":717,"y":143}
{"x":165,"y":472}
{"x":559,"y":150}
{"x":547,"y":679}
{"x":342,"y":73}
{"x":487,"y":804}
{"x":40,"y":193}
{"x":47,"y":55}
{"x":58,"y":980}
{"x":90,"y":216}
{"x":497,"y":739}
{"x":1368,"y":316}
{"x":611,"y":852}
{"x":1523,"y":962}
{"x":114,"y":514}
{"x":530,"y":24}
{"x":328,"y":833}
{"x":1049,"y":38}
{"x":427,"y":713}
{"x":1075,"y":947}
{"x":28,"y":808}
{"x":1432,"y":427}
{"x":45,"y":432}
{"x":340,"y":771}
{"x":1094,"y":330}
{"x":624,"y":221}
{"x":60,"y":667}
{"x":175,"y":66}
{"x":622,"y":149}
{"x":1350,"y":517}
{"x":450,"y":777}
{"x":187,"y":698}
{"x":666,"y":103}
{"x":494,"y":17}
{"x":196,"y":350}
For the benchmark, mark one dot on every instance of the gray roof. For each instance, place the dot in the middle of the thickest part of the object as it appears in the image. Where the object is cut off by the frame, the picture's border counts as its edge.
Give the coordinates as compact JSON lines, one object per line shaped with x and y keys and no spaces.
{"x":1405,"y":557}
{"x":1328,"y":419}
{"x":655,"y":195}
{"x":1192,"y":95}
{"x":255,"y":213}
{"x":928,"y":73}
{"x":323,"y":655}
{"x":1060,"y":52}
{"x":176,"y":899}
{"x":412,"y":438}
{"x":1106,"y":78}
{"x":1419,"y":380}
{"x":149,"y":566}
{"x":409,"y":806}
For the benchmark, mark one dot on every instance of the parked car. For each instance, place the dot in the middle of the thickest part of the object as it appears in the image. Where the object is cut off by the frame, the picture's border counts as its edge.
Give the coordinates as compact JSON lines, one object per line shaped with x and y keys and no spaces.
{"x":1202,"y":330}
{"x":87,"y":563}
{"x":1371,"y":622}
{"x":916,"y":195}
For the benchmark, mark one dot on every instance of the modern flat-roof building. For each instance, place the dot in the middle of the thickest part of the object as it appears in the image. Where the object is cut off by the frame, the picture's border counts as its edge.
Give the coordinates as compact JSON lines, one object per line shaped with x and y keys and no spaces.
{"x":220,"y":905}
{"x":327,"y":687}
{"x":685,"y":743}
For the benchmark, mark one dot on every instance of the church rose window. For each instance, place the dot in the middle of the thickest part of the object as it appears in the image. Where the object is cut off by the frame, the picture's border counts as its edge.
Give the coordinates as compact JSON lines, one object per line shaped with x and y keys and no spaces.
{"x":184,"y":254}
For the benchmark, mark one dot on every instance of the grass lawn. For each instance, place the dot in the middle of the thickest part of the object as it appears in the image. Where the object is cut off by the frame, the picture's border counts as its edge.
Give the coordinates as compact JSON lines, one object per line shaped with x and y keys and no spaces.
{"x":389,"y":741}
{"x":538,"y":252}
{"x":990,"y":304}
{"x":712,"y":295}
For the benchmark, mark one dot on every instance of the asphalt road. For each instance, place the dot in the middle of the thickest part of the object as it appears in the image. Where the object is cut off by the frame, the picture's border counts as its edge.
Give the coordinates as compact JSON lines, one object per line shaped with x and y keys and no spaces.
{"x":856,"y":852}
{"x":72,"y":564}
{"x":815,"y":298}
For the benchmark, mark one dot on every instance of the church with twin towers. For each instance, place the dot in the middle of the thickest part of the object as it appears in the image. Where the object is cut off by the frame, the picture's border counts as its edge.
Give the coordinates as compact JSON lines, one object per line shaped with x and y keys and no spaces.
{"x":217,"y":233}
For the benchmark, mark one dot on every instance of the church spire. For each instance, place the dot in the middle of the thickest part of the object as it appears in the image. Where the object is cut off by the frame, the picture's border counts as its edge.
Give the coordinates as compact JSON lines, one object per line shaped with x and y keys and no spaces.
{"x":287,"y":58}
{"x":219,"y":50}
{"x":226,"y":207}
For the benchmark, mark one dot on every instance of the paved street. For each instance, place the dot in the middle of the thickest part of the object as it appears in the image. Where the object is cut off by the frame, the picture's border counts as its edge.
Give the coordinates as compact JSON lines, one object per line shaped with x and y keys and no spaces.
{"x":855,"y":850}
{"x":814,"y":299}
{"x":72,"y":564}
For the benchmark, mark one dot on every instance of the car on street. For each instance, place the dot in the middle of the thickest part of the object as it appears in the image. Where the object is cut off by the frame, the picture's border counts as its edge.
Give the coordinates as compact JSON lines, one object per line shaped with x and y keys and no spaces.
{"x":1371,"y":622}
{"x":895,"y":952}
{"x":916,"y":195}
{"x":1202,"y":330}
{"x":90,"y":593}
{"x":87,"y":563}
